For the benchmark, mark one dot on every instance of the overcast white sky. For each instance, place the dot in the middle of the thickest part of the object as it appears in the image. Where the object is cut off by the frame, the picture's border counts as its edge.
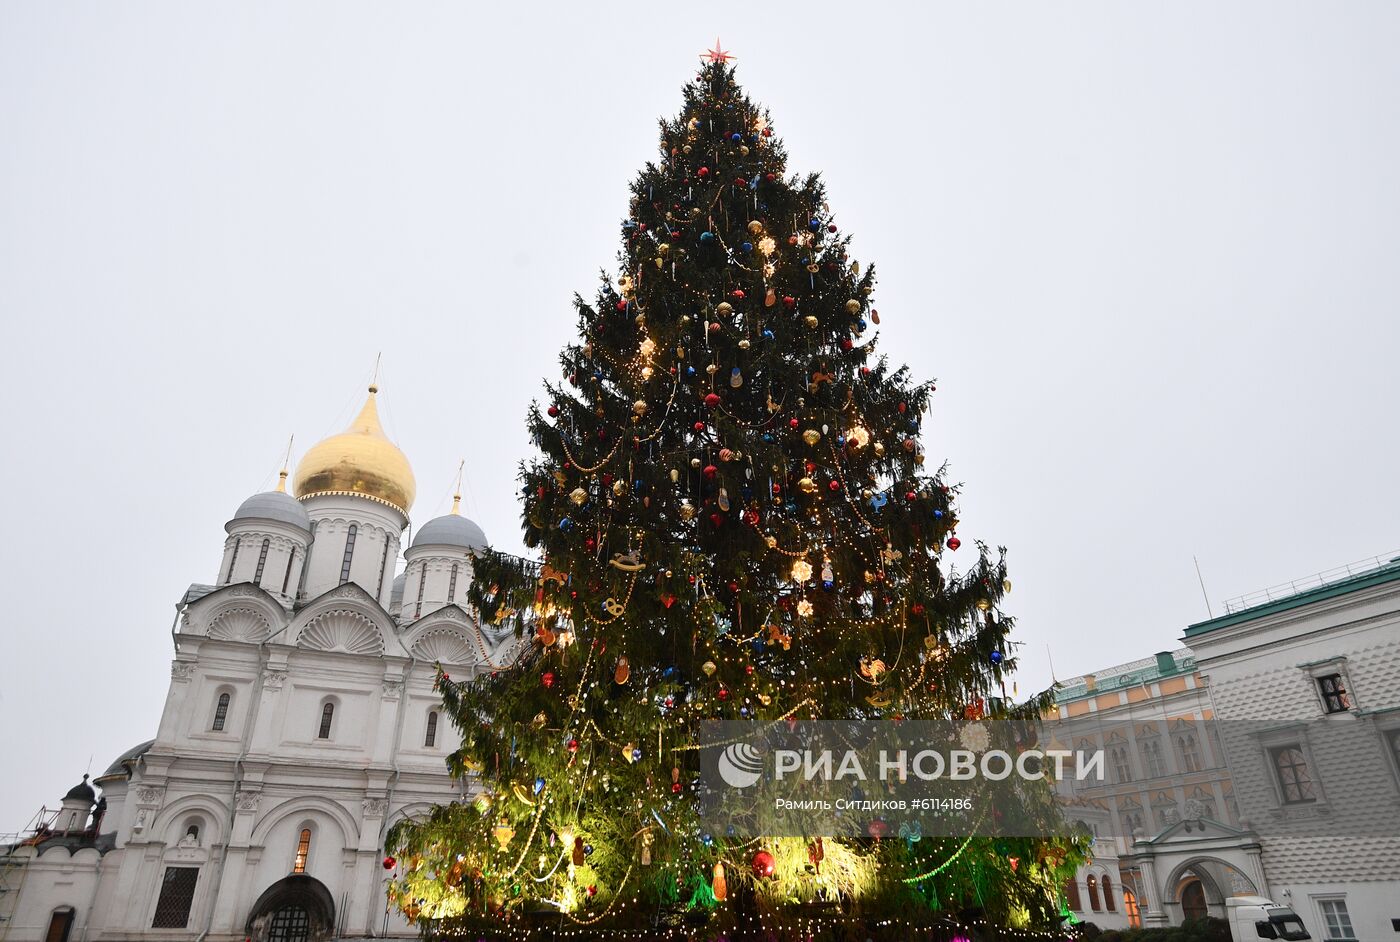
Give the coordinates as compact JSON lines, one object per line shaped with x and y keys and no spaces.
{"x":1147,"y":250}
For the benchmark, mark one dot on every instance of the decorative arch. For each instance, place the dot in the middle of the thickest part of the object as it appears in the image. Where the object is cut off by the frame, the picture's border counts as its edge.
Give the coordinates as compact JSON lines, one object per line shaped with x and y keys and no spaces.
{"x":292,"y":807}
{"x":240,"y":624}
{"x":343,"y":631}
{"x":288,"y":895}
{"x":347,"y":620}
{"x":171,"y":819}
{"x":443,"y":644}
{"x":1210,"y":871}
{"x":218,"y":607}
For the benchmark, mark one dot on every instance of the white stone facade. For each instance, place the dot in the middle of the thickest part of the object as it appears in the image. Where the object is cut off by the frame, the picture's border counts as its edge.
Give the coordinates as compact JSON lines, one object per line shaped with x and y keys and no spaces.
{"x":1307,"y":696}
{"x":299,"y":725}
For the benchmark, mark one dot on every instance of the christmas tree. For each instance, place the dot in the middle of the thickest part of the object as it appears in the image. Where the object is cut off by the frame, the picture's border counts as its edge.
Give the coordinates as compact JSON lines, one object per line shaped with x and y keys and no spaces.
{"x":735,"y":519}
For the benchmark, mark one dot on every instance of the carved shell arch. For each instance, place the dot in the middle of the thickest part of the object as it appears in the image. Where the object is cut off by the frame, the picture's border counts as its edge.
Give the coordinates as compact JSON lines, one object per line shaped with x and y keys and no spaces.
{"x":342,"y":631}
{"x":445,"y":646}
{"x":239,"y":624}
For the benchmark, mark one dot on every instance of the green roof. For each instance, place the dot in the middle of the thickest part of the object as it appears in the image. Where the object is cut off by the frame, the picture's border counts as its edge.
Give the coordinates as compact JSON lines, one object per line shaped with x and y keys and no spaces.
{"x":1365,"y":580}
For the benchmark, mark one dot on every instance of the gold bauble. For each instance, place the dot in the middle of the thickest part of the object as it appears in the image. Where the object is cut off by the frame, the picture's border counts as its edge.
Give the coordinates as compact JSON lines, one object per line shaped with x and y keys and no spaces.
{"x":646,"y":372}
{"x":853,"y":306}
{"x":675,"y":475}
{"x":695,"y":462}
{"x":663,"y":248}
{"x":755,"y":226}
{"x":619,"y":487}
{"x":687,"y":510}
{"x":709,"y":667}
{"x":640,"y":407}
{"x":743,"y":344}
{"x":578,"y":495}
{"x":807,"y":486}
{"x":1006,"y":585}
{"x":724,"y":309}
{"x":810,"y":320}
{"x":811,"y":436}
{"x":880,"y":448}
{"x":984,"y":605}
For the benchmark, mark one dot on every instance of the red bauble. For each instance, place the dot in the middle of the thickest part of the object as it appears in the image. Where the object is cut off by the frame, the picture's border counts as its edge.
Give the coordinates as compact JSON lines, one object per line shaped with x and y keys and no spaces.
{"x":763,"y":865}
{"x":789,"y":301}
{"x":716,"y":519}
{"x":712,"y":400}
{"x":703,"y":172}
{"x":622,"y":305}
{"x":547,"y":678}
{"x":954,"y":542}
{"x":737,"y":293}
{"x":793,"y":423}
{"x":834,"y":485}
{"x":723,"y":694}
{"x":699,"y":426}
{"x":831,"y":228}
{"x":740,"y":181}
{"x":710,"y":471}
{"x":771,"y":176}
{"x":390,"y":863}
{"x":573,"y":745}
{"x":846,"y":344}
{"x":912,"y":495}
{"x":553,"y":411}
{"x":675,"y":788}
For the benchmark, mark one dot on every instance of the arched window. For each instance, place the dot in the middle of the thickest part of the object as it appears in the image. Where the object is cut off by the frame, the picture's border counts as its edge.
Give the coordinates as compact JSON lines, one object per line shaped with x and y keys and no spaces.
{"x":422,"y":580}
{"x":287,"y":576}
{"x":452,"y":584}
{"x":383,"y":567}
{"x":349,"y":554}
{"x":1072,"y":895}
{"x":327,"y":714}
{"x":193,"y":832}
{"x":1130,"y":906}
{"x":303,"y":849}
{"x":1190,"y":753}
{"x":430,"y":738}
{"x":233,"y":559}
{"x":262,"y":561}
{"x":1122,"y":768}
{"x":1108,"y":903}
{"x":305,"y":569}
{"x":221,"y":712}
{"x":1093,"y":883}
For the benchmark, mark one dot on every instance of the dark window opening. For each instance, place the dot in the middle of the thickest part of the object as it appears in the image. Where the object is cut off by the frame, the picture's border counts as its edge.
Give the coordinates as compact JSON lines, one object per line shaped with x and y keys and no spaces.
{"x":327,"y":714}
{"x":1294,"y":779}
{"x":176,"y":897}
{"x":262,"y":562}
{"x":430,"y":739}
{"x":221,"y":713}
{"x":349,"y":554}
{"x":1334,"y":693}
{"x":303,"y":851}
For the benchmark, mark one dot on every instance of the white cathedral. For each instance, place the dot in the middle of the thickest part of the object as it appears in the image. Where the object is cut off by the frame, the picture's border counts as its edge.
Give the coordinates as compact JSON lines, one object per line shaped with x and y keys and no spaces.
{"x":300,"y":724}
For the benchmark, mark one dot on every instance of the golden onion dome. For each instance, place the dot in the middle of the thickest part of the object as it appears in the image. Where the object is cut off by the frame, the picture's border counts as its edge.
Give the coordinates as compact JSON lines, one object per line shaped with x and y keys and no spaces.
{"x":360,"y":461}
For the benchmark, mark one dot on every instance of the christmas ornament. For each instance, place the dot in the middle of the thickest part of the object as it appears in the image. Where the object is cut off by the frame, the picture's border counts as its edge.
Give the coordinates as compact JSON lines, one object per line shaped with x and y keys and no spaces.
{"x":720,"y":888}
{"x":763,"y":865}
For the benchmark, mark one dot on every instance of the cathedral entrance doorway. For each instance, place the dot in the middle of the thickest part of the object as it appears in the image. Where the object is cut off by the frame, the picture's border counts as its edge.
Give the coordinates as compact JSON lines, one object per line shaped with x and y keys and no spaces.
{"x":297,"y":908}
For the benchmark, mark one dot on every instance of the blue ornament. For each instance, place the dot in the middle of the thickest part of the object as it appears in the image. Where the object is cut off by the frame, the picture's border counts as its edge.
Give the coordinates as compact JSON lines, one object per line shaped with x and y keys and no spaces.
{"x":565,"y":523}
{"x":730,"y":831}
{"x":736,"y":137}
{"x":878,"y":501}
{"x":814,"y":225}
{"x":938,"y":515}
{"x":539,"y":785}
{"x":588,"y":850}
{"x":707,"y":839}
{"x":636,"y":757}
{"x":828,"y":585}
{"x":767,"y":334}
{"x":638,"y":485}
{"x":690,"y":371}
{"x":706,"y":238}
{"x":996,"y":657}
{"x":747,"y":247}
{"x":767,"y":438}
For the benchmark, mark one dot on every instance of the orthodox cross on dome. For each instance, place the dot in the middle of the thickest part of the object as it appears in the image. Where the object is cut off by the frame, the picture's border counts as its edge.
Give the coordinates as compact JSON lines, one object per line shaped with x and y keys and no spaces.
{"x":716,"y":54}
{"x":457,"y":492}
{"x":286,"y":460}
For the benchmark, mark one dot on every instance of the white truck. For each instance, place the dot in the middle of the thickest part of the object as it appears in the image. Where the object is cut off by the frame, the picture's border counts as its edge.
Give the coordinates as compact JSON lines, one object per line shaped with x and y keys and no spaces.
{"x":1253,"y":918}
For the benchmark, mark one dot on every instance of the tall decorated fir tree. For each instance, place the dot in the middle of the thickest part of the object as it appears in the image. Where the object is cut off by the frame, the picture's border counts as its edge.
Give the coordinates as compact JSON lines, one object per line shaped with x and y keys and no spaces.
{"x":735,"y":519}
